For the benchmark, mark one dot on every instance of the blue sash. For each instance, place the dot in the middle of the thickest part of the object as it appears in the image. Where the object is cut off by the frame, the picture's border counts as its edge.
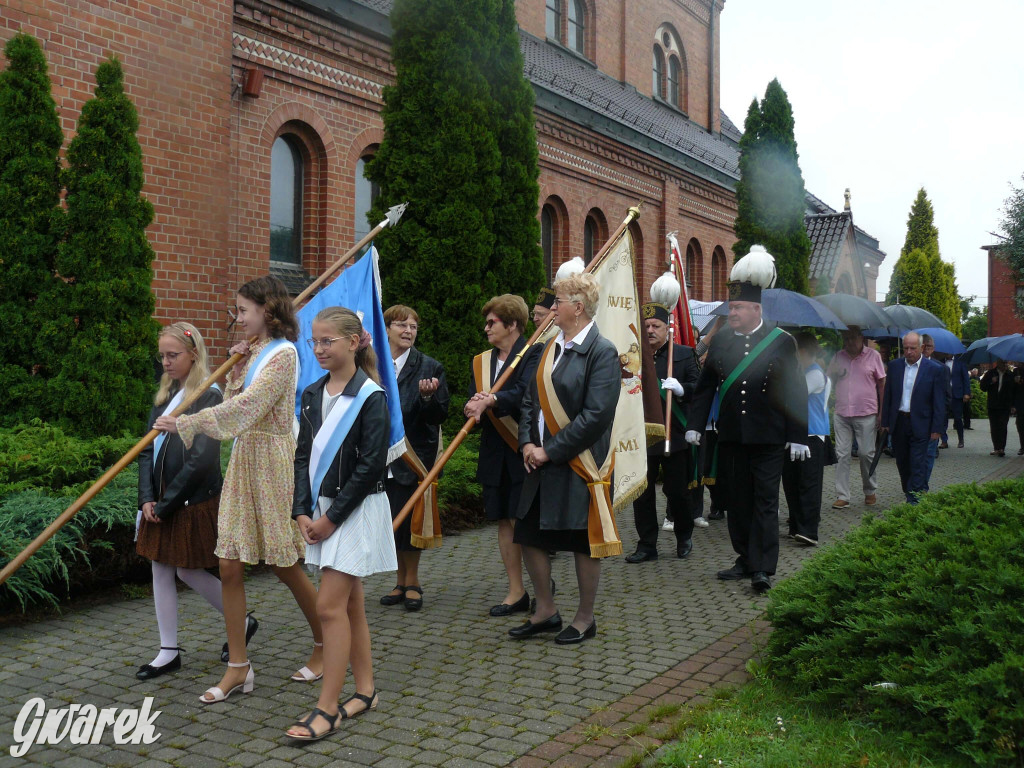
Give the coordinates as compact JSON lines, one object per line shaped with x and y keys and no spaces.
{"x":263,"y":358}
{"x":331,"y":435}
{"x":158,"y":443}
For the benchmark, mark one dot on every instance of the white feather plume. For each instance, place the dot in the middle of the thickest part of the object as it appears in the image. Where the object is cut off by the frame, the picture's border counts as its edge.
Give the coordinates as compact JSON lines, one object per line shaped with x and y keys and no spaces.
{"x":573,"y":266}
{"x":665,"y":291}
{"x":757,"y":268}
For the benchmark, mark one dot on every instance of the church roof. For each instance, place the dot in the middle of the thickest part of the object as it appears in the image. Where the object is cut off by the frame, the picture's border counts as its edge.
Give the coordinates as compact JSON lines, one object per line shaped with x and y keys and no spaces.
{"x":827,"y":232}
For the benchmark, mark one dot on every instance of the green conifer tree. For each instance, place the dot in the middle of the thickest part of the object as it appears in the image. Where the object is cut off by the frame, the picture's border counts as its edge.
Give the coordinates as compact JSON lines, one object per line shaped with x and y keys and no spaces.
{"x":1011,"y":249}
{"x":770,"y":193}
{"x":440,"y":155}
{"x":105,"y":379}
{"x":921,"y":230}
{"x":31,"y":222}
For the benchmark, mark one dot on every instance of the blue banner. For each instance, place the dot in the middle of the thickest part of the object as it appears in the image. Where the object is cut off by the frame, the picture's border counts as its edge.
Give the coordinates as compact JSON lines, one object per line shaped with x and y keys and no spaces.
{"x":358,"y":289}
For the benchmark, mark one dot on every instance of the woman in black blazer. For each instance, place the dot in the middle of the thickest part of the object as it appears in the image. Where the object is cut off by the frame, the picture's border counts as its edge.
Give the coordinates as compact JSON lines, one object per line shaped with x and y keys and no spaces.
{"x":555,"y":502}
{"x":423,"y":391}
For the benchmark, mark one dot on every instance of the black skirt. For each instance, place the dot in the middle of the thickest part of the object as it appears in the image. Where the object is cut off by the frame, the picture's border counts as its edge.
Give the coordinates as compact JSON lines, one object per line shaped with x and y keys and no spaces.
{"x":398,"y":494}
{"x":528,"y":533}
{"x":501,"y":501}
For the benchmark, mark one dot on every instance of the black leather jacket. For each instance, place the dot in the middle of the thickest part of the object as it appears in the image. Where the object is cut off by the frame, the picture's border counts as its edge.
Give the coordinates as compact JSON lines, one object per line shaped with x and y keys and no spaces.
{"x":360,"y":464}
{"x":186,"y":476}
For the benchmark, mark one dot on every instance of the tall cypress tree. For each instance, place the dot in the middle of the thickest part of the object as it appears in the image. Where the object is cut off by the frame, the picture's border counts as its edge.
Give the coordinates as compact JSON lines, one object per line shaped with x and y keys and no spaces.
{"x":940,"y":296}
{"x":770,"y":193}
{"x":517,"y":263}
{"x":105,"y":263}
{"x":31,"y":222}
{"x":440,"y":154}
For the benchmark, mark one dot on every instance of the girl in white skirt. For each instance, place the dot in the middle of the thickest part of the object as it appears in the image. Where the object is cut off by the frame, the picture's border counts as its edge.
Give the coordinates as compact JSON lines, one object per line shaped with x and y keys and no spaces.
{"x":341,"y":508}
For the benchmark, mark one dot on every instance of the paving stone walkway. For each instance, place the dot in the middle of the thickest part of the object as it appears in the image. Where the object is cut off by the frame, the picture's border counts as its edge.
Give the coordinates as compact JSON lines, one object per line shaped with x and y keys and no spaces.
{"x":455,"y":690}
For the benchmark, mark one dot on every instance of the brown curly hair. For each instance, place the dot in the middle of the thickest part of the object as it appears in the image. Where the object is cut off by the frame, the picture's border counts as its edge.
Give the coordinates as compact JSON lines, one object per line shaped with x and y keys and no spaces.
{"x":279,"y":312}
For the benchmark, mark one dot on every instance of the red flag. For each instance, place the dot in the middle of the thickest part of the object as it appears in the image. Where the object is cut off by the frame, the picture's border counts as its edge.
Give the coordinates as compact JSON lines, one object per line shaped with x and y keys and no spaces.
{"x":684,"y":333}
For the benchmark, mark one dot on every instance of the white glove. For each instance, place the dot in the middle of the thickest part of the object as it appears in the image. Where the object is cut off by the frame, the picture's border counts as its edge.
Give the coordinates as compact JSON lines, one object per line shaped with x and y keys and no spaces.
{"x":692,"y":436}
{"x":798,"y":452}
{"x":673,"y":386}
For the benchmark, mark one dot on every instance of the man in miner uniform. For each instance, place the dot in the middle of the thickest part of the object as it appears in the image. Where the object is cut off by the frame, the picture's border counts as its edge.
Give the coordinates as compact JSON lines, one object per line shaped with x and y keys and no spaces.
{"x":762,"y":418}
{"x":678,"y":465}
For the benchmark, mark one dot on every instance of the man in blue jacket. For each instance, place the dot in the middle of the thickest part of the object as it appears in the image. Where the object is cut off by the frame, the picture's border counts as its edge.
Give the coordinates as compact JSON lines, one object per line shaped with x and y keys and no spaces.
{"x":960,"y":381}
{"x":914,"y":412}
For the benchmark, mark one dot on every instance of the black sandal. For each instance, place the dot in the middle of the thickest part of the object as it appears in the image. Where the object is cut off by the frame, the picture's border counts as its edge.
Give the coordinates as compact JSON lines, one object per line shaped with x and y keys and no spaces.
{"x":415,"y":603}
{"x":390,"y":599}
{"x":308,"y":725}
{"x":371,"y":702}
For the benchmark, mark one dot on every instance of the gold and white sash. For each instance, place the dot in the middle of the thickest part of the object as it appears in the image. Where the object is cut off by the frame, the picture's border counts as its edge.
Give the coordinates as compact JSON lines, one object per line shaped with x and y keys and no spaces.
{"x":506,"y":426}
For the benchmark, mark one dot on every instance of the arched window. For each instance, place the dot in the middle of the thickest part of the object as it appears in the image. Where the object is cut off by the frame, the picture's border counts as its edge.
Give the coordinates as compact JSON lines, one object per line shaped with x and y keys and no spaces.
{"x":553,"y":19}
{"x":548,"y":238}
{"x":657,"y":72}
{"x":673,"y":81}
{"x":577,"y":26}
{"x":595,"y":233}
{"x":695,"y":267}
{"x":589,"y":236}
{"x":718,"y":280}
{"x":286,"y":172}
{"x":366,"y":193}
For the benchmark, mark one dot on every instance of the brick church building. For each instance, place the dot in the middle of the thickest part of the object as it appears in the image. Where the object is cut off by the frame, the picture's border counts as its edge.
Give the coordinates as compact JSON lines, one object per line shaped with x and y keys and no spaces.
{"x":257,"y":118}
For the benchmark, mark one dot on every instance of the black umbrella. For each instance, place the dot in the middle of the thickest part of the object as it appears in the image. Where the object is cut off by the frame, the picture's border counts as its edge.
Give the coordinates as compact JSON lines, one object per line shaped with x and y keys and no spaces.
{"x":854,"y":310}
{"x":906,"y":318}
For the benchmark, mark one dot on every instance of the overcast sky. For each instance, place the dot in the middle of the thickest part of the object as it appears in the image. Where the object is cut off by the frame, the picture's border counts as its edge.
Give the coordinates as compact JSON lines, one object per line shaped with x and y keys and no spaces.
{"x":889,"y":96}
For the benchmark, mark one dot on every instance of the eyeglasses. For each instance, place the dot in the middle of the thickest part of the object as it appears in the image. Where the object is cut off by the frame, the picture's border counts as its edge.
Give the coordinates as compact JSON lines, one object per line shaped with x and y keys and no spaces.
{"x":324,"y":342}
{"x":563,"y":301}
{"x":406,"y":326}
{"x":492,"y":323}
{"x":170,"y":357}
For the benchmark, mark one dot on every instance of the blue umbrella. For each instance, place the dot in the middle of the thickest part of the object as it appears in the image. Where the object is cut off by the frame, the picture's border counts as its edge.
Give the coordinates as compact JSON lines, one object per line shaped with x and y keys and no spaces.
{"x":979,"y":351}
{"x":945,"y":341}
{"x":1009,"y":348}
{"x":791,"y":308}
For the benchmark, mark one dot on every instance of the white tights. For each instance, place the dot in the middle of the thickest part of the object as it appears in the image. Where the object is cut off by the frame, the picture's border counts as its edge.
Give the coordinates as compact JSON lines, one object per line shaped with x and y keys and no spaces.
{"x":165,"y":598}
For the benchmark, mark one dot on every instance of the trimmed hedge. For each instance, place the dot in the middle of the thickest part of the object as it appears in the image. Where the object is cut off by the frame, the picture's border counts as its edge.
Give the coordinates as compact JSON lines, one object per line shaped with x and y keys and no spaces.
{"x":928,"y":600}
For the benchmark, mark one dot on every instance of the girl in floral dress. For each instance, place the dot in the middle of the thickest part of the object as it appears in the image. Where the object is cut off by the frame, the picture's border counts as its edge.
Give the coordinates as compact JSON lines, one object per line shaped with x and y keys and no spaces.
{"x":254,"y":522}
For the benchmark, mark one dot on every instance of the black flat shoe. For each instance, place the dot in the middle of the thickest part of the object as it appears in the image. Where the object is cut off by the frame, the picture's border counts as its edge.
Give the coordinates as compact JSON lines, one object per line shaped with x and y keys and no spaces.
{"x":148,"y":671}
{"x":734,"y":574}
{"x":760,"y":582}
{"x":716,"y":514}
{"x":414,"y":604}
{"x":390,"y":599}
{"x":507,"y":609}
{"x":529,"y":629}
{"x":684,"y":549}
{"x":251,"y":625}
{"x":641,"y":557}
{"x":571,"y":636}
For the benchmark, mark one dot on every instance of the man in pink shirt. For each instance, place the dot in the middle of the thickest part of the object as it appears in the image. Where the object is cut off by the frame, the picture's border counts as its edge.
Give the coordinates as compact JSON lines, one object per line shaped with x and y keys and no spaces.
{"x":859,"y":380}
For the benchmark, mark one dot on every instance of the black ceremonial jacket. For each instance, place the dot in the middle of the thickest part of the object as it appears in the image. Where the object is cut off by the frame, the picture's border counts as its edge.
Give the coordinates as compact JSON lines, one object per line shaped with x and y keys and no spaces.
{"x":686,"y":372}
{"x":767,"y":404}
{"x":422,"y":418}
{"x":185,"y":476}
{"x":495,"y":452}
{"x":357,"y":467}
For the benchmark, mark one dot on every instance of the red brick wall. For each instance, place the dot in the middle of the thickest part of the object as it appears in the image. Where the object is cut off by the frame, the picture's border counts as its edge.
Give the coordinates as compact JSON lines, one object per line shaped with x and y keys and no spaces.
{"x":1002,"y":317}
{"x":175,"y":55}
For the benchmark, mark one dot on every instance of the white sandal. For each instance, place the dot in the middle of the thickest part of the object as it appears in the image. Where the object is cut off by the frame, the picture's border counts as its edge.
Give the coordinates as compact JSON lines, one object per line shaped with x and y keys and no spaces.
{"x":244,"y":687}
{"x":305,"y":675}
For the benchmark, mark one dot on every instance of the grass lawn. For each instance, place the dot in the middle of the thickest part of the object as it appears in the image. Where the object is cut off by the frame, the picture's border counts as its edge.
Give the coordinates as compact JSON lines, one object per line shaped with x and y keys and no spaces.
{"x":759,"y":726}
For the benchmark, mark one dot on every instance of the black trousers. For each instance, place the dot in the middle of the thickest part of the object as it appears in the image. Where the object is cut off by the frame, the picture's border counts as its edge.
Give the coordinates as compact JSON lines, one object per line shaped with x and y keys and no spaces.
{"x":750,"y":476}
{"x":677,"y":475}
{"x":959,"y":409}
{"x":801,"y":481}
{"x":998,"y":418}
{"x":1019,"y":420}
{"x":911,"y":456}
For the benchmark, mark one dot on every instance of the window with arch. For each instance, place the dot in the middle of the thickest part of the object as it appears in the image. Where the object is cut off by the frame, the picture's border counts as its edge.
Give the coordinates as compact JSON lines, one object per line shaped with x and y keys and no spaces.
{"x":718,"y":279}
{"x":695,"y":267}
{"x":286,"y":204}
{"x":577,"y":26}
{"x":670,"y":82}
{"x":366,"y":194}
{"x":548,"y":238}
{"x":566,"y":22}
{"x":595,"y":234}
{"x":553,"y":19}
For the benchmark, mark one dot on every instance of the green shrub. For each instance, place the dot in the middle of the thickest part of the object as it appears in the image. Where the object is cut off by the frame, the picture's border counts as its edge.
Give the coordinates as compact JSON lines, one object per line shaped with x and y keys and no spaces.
{"x":94,"y":549}
{"x":979,"y":401}
{"x":41,"y":457}
{"x":929,"y":600}
{"x":459,"y":494}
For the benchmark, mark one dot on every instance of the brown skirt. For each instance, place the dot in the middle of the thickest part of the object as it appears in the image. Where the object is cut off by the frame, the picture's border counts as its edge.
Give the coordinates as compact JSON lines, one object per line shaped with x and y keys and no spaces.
{"x":187,"y":540}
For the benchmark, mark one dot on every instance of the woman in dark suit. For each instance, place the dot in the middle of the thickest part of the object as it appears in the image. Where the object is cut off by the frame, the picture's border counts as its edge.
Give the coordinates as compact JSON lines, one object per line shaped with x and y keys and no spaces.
{"x":578,"y":374}
{"x":424,"y":394}
{"x":500,"y":466}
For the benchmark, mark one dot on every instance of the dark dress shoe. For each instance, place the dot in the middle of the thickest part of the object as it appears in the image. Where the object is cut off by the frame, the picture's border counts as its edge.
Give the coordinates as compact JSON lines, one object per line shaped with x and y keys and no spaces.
{"x":390,"y":599}
{"x":734,"y":574}
{"x":507,"y":609}
{"x":716,"y":514}
{"x":251,"y":625}
{"x":684,"y":549}
{"x":641,"y":557}
{"x":414,"y":603}
{"x":148,"y":671}
{"x":571,"y":636}
{"x":529,"y":629}
{"x":760,"y":582}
